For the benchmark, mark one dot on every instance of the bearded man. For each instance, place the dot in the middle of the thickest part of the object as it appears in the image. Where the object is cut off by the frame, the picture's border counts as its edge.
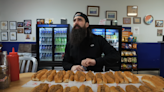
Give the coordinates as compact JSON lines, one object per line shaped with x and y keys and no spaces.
{"x":84,"y":50}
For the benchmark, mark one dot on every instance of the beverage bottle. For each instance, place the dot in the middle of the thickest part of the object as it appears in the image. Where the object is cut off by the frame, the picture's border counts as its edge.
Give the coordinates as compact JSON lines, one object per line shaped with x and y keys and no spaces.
{"x":13,"y":59}
{"x":59,"y":40}
{"x":45,"y":48}
{"x":65,"y":40}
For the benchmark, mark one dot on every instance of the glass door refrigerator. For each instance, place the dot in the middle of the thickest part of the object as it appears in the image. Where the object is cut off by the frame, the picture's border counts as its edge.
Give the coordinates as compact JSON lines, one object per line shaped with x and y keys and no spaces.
{"x":113,"y":35}
{"x":51,"y":43}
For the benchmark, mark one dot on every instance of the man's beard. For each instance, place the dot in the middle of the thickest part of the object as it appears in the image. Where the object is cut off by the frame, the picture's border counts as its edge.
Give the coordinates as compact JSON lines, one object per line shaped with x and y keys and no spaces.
{"x":77,"y":35}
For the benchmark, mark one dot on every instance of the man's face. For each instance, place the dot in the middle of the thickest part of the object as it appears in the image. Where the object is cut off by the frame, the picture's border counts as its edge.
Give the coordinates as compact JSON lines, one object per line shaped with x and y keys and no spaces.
{"x":78,"y":20}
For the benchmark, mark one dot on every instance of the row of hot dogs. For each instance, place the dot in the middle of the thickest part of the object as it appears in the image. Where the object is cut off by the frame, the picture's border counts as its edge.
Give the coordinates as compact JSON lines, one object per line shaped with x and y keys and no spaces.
{"x":79,"y":76}
{"x":43,"y":87}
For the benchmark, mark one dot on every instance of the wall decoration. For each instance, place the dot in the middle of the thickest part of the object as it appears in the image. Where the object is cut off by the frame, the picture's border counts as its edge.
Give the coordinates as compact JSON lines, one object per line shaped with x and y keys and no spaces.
{"x":111,"y":15}
{"x":40,"y":21}
{"x":27,"y":23}
{"x":136,"y":20}
{"x":4,"y":36}
{"x":159,"y":32}
{"x":148,"y":19}
{"x":158,"y":23}
{"x":13,"y":36}
{"x":20,"y":30}
{"x":27,"y":30}
{"x":132,"y":11}
{"x":4,"y":25}
{"x":27,"y":37}
{"x":126,"y":20}
{"x":20,"y":24}
{"x":12,"y":25}
{"x":93,"y":11}
{"x":49,"y":20}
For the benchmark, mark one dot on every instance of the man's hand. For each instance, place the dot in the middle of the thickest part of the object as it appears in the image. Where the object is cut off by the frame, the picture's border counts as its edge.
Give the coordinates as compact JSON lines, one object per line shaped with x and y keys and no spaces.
{"x":88,"y":62}
{"x":77,"y":67}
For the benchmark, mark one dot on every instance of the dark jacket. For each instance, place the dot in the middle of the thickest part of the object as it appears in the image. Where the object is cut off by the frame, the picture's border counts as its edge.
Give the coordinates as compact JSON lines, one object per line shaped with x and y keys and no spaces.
{"x":91,"y":47}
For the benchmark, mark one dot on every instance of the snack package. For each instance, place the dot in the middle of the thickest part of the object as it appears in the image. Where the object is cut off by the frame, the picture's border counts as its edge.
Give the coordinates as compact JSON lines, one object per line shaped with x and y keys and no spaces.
{"x":126,"y":39}
{"x":123,"y":40}
{"x":128,"y":66}
{"x":125,"y":60}
{"x":122,"y":59}
{"x":129,"y":59}
{"x":126,"y":46}
{"x":134,"y":66}
{"x":134,"y":39}
{"x":130,"y":38}
{"x":134,"y":53}
{"x":130,"y":46}
{"x":123,"y":66}
{"x":123,"y":45}
{"x":122,"y":53}
{"x":130,"y":53}
{"x":134,"y":60}
{"x":134,"y":46}
{"x":126,"y":53}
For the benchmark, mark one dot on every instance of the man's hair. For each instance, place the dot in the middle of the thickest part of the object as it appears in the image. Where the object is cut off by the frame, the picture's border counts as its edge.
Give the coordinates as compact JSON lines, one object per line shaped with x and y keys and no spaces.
{"x":82,"y":15}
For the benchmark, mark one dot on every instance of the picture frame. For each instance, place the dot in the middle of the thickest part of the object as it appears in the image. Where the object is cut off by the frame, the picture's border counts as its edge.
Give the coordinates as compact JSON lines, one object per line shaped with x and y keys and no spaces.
{"x":13,"y":36}
{"x":93,"y":11}
{"x":27,"y":23}
{"x":126,"y":20}
{"x":20,"y":24}
{"x":158,"y":23}
{"x":20,"y":30}
{"x":4,"y":36}
{"x":159,"y":32}
{"x":136,"y":20}
{"x":12,"y":25}
{"x":40,"y":21}
{"x":132,"y":11}
{"x":111,"y":15}
{"x":27,"y":30}
{"x":4,"y":25}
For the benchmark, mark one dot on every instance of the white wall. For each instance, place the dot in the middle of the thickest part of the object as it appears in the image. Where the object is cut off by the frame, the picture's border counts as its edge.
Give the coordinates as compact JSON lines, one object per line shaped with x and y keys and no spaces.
{"x":18,"y":10}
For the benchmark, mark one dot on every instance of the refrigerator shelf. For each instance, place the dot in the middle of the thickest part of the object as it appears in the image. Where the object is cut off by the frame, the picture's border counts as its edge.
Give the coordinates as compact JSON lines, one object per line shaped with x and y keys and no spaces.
{"x":58,"y":60}
{"x":45,"y":59}
{"x":61,"y":44}
{"x":45,"y":36}
{"x":59,"y":52}
{"x":60,"y":36}
{"x":45,"y":44}
{"x":45,"y":51}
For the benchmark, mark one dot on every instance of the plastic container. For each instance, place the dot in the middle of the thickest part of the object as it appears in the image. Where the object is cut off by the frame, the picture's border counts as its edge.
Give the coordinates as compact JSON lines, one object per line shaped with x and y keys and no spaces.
{"x":13,"y":59}
{"x":4,"y":71}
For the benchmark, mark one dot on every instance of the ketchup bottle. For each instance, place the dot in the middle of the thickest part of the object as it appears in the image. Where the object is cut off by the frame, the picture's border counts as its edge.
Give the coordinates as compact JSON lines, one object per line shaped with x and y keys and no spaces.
{"x":13,"y":59}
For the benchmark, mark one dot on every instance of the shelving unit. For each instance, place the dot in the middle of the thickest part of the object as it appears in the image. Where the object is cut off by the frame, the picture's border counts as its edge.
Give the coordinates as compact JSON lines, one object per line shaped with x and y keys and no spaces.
{"x":129,"y":56}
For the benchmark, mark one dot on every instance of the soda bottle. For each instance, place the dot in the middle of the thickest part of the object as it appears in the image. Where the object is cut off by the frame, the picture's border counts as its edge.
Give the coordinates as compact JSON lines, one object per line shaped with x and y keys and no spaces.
{"x":65,"y":40}
{"x":59,"y":40}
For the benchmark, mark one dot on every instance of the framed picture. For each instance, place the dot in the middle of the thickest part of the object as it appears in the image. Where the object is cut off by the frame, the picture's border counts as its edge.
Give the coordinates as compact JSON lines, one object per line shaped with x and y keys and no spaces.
{"x":158,"y":23}
{"x":159,"y":32}
{"x":40,"y":21}
{"x":132,"y":11}
{"x":27,"y":30}
{"x":27,"y":23}
{"x":13,"y":36}
{"x":12,"y":25}
{"x":4,"y":25}
{"x":20,"y":24}
{"x":126,"y":20}
{"x":93,"y":11}
{"x":20,"y":30}
{"x":136,"y":20}
{"x":4,"y":36}
{"x":111,"y":15}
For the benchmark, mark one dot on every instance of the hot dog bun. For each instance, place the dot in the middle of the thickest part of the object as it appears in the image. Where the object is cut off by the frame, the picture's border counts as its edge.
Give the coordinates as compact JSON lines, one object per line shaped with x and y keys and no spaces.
{"x":110,"y":77}
{"x":56,"y":88}
{"x":131,"y":77}
{"x":132,"y":88}
{"x":68,"y":76}
{"x":120,"y":77}
{"x":91,"y":77}
{"x":145,"y":88}
{"x":44,"y":77}
{"x":84,"y":88}
{"x":38,"y":75}
{"x":43,"y":87}
{"x":79,"y":76}
{"x":71,"y":89}
{"x":59,"y":76}
{"x":51,"y":76}
{"x":103,"y":88}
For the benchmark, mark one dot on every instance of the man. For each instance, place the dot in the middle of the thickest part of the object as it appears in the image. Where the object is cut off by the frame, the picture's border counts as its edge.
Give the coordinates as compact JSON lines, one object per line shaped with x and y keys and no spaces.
{"x":84,"y":49}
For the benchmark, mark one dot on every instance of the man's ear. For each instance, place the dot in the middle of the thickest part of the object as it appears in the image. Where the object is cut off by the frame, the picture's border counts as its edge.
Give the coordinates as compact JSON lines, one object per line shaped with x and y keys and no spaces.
{"x":86,"y":24}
